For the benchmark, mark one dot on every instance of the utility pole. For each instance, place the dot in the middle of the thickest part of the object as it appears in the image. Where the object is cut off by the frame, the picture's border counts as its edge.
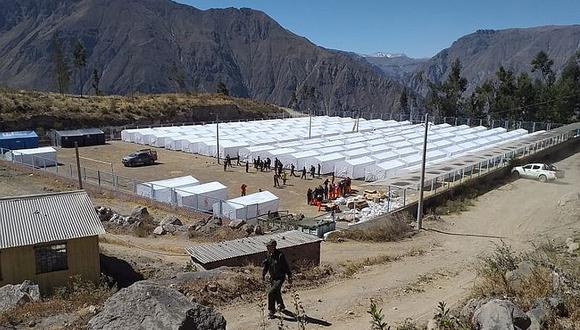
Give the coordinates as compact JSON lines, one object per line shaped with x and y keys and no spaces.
{"x":420,"y":202}
{"x":310,"y":124}
{"x":217,"y":135}
{"x":78,"y":165}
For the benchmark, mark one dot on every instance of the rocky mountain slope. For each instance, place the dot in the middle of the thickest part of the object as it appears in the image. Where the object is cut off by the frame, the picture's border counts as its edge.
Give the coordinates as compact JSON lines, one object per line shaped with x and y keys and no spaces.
{"x":397,"y":66}
{"x":158,"y":46}
{"x":483,"y":52}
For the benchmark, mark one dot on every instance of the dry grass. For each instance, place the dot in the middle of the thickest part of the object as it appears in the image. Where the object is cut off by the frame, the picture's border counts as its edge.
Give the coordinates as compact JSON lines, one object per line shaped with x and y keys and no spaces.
{"x":21,"y":109}
{"x":79,"y":295}
{"x":546,"y":259}
{"x":392,"y":228}
{"x":352,"y":267}
{"x":246,"y":283}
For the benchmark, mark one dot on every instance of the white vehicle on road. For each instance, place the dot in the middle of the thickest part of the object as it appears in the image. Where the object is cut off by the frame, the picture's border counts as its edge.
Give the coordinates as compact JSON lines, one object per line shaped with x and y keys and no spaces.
{"x":536,"y":171}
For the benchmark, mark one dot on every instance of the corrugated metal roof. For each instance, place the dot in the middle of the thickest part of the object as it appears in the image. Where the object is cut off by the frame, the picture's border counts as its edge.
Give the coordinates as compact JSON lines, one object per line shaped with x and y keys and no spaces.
{"x":211,"y":252}
{"x":77,"y":132}
{"x":28,"y":220}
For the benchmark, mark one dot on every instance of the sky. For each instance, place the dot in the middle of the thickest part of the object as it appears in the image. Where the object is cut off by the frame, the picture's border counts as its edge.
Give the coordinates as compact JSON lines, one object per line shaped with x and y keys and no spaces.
{"x":418,"y":28}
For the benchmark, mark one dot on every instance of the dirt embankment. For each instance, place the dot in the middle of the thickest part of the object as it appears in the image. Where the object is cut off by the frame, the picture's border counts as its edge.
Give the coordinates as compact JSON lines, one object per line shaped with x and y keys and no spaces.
{"x":33,"y":110}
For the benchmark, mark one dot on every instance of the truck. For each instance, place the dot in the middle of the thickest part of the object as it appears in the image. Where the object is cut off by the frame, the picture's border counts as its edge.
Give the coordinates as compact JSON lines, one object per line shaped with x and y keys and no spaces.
{"x":537,"y":171}
{"x":140,"y":157}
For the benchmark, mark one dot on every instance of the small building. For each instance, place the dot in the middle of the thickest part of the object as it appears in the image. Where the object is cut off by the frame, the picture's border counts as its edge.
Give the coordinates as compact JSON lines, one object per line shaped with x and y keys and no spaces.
{"x":299,"y":248}
{"x":48,"y":239}
{"x":36,"y":157}
{"x":317,"y":227}
{"x":247,"y":207}
{"x":84,"y":137}
{"x":18,"y":140}
{"x":164,"y":190}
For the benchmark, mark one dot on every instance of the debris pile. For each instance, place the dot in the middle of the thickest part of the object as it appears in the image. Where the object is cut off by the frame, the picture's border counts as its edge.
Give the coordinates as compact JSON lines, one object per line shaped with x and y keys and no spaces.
{"x":369,"y":205}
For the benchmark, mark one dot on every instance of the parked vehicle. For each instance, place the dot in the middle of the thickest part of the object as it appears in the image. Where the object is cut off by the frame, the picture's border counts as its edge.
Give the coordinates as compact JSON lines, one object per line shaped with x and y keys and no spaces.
{"x":537,"y":171}
{"x":140,"y":157}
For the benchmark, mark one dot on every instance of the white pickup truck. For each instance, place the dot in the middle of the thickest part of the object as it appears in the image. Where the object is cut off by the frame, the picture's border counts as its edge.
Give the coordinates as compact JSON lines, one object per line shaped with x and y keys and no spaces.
{"x":537,"y":171}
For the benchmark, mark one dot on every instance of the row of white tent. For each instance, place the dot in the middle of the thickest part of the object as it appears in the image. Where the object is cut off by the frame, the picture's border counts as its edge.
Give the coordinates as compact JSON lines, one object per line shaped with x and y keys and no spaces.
{"x":379,"y":150}
{"x":187,"y":191}
{"x":37,"y":157}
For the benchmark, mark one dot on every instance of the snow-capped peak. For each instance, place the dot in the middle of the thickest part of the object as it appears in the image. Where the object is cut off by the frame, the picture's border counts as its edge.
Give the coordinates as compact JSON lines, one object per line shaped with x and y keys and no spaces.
{"x":387,"y":55}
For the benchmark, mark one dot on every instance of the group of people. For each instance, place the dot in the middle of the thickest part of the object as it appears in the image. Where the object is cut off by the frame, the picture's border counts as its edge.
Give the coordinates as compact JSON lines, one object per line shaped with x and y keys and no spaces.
{"x":328,"y":190}
{"x":228,"y":162}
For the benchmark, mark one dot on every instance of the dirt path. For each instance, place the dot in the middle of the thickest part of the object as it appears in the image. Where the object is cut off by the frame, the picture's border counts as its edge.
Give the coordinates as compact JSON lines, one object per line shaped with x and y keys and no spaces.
{"x":519,"y":213}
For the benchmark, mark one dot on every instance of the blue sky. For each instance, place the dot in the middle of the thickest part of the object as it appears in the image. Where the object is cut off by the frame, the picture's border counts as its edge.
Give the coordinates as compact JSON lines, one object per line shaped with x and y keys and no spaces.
{"x":418,"y":28}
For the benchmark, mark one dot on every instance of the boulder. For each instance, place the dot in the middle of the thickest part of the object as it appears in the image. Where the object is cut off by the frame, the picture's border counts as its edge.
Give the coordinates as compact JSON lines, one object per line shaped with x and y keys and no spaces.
{"x":159,"y":230}
{"x":558,"y":305}
{"x":516,"y":277}
{"x":12,"y":295}
{"x":140,"y":213}
{"x":258,"y":230}
{"x":538,"y":315}
{"x":471,"y":306}
{"x":236,"y":224}
{"x":171,"y":220}
{"x":169,"y":228}
{"x":146,"y":305}
{"x":500,"y":314}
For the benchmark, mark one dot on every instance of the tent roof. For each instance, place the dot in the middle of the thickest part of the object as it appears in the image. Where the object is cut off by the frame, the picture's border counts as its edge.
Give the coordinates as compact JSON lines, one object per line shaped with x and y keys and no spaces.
{"x":252,"y":199}
{"x":17,"y":135}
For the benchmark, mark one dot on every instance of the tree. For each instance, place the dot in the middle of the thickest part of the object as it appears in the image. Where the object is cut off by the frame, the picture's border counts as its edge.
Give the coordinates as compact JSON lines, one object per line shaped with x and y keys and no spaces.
{"x":567,"y":92}
{"x":404,"y":101}
{"x":222,"y":89}
{"x":446,"y":97}
{"x":95,"y":82}
{"x":543,"y":64}
{"x":80,"y":61}
{"x":61,"y":69}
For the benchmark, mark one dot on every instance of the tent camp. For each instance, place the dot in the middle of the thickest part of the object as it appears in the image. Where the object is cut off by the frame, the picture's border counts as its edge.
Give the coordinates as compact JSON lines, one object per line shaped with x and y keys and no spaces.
{"x":327,"y":162}
{"x":201,"y":197}
{"x":163,"y":190}
{"x":247,"y":207}
{"x":37,"y":157}
{"x":297,"y":159}
{"x":353,"y":168}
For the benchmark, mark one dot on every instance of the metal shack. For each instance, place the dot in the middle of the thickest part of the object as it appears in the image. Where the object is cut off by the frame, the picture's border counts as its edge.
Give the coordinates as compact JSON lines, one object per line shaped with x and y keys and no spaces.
{"x":18,"y":140}
{"x":49,"y":239}
{"x":317,"y":227}
{"x":84,"y":137}
{"x":298,"y":247}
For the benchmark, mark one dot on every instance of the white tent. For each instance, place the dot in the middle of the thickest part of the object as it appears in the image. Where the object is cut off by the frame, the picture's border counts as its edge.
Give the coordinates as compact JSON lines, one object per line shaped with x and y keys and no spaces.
{"x":297,"y":159}
{"x":201,"y":197}
{"x":379,"y":148}
{"x":327,"y":162}
{"x":353,"y":168}
{"x":406,"y":151}
{"x":274,"y":153}
{"x":177,"y":142}
{"x":356,"y":153}
{"x":163,"y":190}
{"x":247,"y":207}
{"x":250,"y":153}
{"x":384,"y":156}
{"x":383,"y":170}
{"x":38,"y":157}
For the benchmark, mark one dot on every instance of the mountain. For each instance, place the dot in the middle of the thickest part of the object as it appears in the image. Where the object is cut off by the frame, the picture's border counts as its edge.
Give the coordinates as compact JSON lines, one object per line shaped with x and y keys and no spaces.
{"x":398,"y":66}
{"x":158,"y":46}
{"x":483,"y":52}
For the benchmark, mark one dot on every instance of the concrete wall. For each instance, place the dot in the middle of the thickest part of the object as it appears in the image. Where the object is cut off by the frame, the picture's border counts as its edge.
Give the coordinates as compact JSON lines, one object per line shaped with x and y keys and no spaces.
{"x":306,"y":254}
{"x":19,"y":264}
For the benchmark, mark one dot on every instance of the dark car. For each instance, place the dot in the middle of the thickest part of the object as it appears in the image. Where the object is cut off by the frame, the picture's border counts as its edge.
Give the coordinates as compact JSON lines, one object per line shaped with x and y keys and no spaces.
{"x":141,"y":157}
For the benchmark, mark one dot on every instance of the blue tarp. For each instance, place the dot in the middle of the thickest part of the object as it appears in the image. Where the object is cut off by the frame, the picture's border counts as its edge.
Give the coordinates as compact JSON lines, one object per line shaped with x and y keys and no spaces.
{"x":18,"y":140}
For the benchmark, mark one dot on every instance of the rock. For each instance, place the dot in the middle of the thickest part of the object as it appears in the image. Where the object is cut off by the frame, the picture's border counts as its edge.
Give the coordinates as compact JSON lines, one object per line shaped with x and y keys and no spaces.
{"x":258,"y":230}
{"x":516,"y":277}
{"x":105,"y":214}
{"x":236,"y":224}
{"x":159,"y":231}
{"x":212,"y":287}
{"x":169,"y":228}
{"x":500,"y":314}
{"x":349,"y":313}
{"x":558,"y":306}
{"x":140,"y":213}
{"x":145,"y":305}
{"x":249,"y":229}
{"x":537,"y":315}
{"x":171,"y":220}
{"x":12,"y":295}
{"x":573,"y":247}
{"x":471,"y":306}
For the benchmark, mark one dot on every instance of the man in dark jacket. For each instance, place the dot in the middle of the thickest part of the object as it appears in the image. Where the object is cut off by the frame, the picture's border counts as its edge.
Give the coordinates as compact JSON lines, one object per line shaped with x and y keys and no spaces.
{"x":277,"y":266}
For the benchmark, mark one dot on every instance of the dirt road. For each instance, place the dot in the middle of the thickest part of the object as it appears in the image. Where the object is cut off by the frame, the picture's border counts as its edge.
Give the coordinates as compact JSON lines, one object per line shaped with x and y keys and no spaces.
{"x":519,"y":213}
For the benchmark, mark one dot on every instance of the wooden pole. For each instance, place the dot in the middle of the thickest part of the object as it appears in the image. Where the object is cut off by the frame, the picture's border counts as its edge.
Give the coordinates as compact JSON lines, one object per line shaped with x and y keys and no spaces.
{"x":78,"y":165}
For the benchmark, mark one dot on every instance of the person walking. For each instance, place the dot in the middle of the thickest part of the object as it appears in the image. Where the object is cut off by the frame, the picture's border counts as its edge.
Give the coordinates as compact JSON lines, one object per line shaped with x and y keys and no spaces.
{"x":243,"y":189}
{"x":309,"y":196}
{"x":238,"y":161}
{"x":276,"y":183}
{"x":247,"y":167}
{"x":276,"y":265}
{"x":312,"y":171}
{"x":319,"y":170}
{"x":284,"y":178}
{"x":225,"y":166}
{"x":292,"y":170}
{"x":303,"y":173}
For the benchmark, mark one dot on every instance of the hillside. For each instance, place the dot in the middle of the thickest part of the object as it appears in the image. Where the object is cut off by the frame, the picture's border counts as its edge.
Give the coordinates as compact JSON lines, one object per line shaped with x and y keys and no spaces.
{"x":158,"y":46}
{"x":400,"y":67}
{"x":32,"y":110}
{"x":483,"y":52}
